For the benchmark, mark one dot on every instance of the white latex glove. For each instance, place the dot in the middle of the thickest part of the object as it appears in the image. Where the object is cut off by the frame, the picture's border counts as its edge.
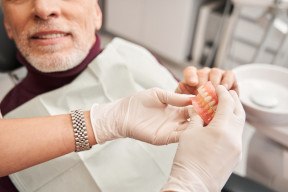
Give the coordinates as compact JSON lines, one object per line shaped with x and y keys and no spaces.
{"x":206,"y":156}
{"x":154,"y":116}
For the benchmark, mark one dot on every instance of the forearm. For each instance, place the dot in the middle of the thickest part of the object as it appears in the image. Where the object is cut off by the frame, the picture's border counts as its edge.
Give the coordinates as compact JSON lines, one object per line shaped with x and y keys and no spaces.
{"x":27,"y":142}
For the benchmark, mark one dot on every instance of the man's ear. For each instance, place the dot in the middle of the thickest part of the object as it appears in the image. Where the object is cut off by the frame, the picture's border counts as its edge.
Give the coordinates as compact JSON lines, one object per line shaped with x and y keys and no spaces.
{"x":8,"y":29}
{"x":98,"y":19}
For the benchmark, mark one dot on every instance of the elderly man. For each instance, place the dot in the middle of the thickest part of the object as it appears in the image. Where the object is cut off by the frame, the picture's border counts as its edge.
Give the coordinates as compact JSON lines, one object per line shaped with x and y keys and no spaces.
{"x":58,"y":44}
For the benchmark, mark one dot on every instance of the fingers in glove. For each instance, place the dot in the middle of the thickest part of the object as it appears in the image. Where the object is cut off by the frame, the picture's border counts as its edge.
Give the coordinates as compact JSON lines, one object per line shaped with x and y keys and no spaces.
{"x":215,"y":76}
{"x":170,"y":136}
{"x":190,"y":76}
{"x":173,"y":137}
{"x":184,"y":112}
{"x":226,"y":104}
{"x":238,"y":111}
{"x":195,"y":119}
{"x":229,"y":81}
{"x":185,"y":89}
{"x":235,"y":86}
{"x":180,"y":116}
{"x":203,"y":75}
{"x":171,"y":98}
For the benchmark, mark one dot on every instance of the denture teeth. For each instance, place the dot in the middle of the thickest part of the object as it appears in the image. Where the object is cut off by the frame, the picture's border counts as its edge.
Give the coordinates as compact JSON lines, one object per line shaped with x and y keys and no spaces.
{"x":210,"y":111}
{"x":51,"y":36}
{"x":202,"y":103}
{"x":205,"y":94}
{"x":208,"y":99}
{"x":206,"y":108}
{"x":206,"y":102}
{"x":212,"y":103}
{"x":201,"y":91}
{"x":201,"y":87}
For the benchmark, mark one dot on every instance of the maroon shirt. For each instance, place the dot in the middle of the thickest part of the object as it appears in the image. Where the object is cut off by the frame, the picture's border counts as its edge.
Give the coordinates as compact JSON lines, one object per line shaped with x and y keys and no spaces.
{"x":36,"y":83}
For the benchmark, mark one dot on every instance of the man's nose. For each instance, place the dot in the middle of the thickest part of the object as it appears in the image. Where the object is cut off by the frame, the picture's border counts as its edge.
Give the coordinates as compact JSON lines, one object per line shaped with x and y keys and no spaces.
{"x":46,"y":9}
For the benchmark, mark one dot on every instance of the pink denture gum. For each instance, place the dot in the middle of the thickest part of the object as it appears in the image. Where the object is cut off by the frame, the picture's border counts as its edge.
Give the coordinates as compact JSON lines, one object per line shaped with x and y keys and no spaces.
{"x":205,"y":102}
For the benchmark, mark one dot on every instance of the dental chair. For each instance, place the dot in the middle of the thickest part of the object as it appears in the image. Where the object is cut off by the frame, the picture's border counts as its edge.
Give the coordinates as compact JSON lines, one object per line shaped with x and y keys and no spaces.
{"x":8,"y":60}
{"x":11,"y":71}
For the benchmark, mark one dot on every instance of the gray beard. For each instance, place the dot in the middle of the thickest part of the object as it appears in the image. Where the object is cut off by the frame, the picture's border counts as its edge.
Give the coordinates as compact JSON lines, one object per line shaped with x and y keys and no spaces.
{"x":56,"y":62}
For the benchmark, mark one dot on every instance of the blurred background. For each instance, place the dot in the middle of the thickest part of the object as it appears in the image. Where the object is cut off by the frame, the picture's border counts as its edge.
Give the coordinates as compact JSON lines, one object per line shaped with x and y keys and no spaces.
{"x":212,"y":33}
{"x":227,"y":34}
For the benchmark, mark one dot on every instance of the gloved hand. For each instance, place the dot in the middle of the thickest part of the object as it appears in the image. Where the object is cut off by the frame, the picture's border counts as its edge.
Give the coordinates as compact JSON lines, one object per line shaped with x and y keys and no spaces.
{"x":206,"y":156}
{"x":194,"y":78}
{"x":154,"y":116}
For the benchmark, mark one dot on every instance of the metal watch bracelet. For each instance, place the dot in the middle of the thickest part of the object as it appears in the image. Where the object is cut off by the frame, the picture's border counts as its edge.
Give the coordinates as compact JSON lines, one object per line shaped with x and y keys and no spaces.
{"x":80,"y":131}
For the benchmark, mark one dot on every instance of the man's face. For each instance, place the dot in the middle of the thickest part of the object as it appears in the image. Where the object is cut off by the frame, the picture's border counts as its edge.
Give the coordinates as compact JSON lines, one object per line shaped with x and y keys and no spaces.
{"x":53,"y":35}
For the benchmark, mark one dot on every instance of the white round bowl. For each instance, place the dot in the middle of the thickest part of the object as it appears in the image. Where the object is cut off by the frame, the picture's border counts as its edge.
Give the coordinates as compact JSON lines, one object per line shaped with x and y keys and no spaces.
{"x":264,"y":93}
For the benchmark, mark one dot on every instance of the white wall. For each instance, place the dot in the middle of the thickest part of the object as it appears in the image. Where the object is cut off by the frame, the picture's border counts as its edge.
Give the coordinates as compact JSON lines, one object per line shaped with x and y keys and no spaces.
{"x":164,"y":26}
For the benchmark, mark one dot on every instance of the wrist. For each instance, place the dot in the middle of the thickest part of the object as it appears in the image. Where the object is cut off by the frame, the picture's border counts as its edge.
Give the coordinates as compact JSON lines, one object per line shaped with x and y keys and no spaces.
{"x":91,"y":134}
{"x":104,"y":123}
{"x":189,"y":179}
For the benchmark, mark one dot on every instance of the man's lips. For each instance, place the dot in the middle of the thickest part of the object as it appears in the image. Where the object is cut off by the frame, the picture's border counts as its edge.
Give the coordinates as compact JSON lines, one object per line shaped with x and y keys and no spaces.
{"x":49,"y":35}
{"x":47,"y":38}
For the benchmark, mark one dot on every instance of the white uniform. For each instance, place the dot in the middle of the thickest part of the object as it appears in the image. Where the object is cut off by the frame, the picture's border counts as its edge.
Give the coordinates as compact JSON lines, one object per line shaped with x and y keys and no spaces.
{"x":124,"y":165}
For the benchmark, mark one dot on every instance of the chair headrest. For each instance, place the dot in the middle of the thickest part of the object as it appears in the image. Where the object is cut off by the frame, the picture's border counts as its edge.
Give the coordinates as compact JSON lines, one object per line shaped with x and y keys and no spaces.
{"x":8,"y":60}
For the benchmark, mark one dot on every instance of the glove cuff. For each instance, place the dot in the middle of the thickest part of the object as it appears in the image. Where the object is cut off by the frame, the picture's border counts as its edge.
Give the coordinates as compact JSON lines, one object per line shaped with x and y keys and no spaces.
{"x":93,"y":115}
{"x":104,"y":127}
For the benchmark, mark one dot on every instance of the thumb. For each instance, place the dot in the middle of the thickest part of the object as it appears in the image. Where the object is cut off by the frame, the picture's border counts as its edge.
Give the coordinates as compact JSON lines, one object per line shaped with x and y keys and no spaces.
{"x":195,"y":119}
{"x":226,"y":103}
